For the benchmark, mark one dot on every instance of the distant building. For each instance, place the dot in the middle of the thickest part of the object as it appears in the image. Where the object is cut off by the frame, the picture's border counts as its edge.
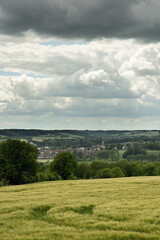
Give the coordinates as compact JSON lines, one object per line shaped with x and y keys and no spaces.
{"x":102,"y":145}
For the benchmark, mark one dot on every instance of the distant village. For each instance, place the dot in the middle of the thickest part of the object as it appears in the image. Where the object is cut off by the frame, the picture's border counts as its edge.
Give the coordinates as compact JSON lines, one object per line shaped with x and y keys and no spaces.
{"x":48,"y":153}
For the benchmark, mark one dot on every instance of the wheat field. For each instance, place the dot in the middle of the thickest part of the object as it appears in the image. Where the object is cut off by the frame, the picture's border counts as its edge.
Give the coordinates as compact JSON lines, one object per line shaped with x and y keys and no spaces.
{"x":124,"y":208}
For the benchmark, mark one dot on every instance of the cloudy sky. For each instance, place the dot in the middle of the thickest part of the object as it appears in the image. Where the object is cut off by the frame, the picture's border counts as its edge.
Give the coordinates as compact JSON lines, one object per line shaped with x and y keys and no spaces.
{"x":80,"y":64}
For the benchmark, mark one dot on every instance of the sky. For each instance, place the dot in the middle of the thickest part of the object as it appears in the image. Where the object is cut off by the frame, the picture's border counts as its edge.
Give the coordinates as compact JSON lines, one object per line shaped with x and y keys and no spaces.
{"x":80,"y":64}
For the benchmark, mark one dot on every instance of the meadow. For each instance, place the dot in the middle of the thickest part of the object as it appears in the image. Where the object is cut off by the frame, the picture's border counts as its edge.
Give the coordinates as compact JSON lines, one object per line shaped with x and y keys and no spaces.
{"x":60,"y":137}
{"x":118,"y":209}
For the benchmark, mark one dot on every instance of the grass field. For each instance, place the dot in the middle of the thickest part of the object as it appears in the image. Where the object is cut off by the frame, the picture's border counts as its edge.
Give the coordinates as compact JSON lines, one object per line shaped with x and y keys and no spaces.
{"x":64,"y":136}
{"x":121,"y":152}
{"x":45,"y":160}
{"x":117,"y":209}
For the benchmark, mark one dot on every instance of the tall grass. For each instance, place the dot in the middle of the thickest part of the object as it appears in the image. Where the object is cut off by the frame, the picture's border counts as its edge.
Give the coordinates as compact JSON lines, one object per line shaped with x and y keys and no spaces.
{"x":118,"y":209}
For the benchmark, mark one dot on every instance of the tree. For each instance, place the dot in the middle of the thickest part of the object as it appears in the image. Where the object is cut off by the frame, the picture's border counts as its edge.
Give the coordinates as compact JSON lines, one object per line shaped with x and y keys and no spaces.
{"x":4,"y":169}
{"x":114,"y":155}
{"x":135,"y":169}
{"x":108,"y":155}
{"x":64,"y":164}
{"x":135,"y":150}
{"x":150,"y":169}
{"x":79,"y":156}
{"x":18,"y":161}
{"x":83,"y":171}
{"x":103,"y":154}
{"x":104,"y":173}
{"x":98,"y":165}
{"x":124,"y":166}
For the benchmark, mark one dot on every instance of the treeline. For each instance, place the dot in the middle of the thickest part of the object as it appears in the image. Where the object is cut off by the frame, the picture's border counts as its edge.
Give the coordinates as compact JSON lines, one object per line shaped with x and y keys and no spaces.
{"x":122,"y":168}
{"x":153,"y":143}
{"x":107,"y":155}
{"x":138,"y":152}
{"x":35,"y":132}
{"x":18,"y":164}
{"x":111,"y":166}
{"x":69,"y":143}
{"x":110,"y":136}
{"x":84,"y":133}
{"x":101,"y":169}
{"x":135,"y":152}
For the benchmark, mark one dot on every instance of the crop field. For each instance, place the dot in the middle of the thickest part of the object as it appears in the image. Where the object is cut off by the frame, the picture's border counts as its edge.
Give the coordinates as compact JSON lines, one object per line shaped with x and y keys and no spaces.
{"x":118,"y":209}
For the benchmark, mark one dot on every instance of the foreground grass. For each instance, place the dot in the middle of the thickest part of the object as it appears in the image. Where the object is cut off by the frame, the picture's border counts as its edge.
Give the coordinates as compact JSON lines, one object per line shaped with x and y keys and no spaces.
{"x":126,"y":208}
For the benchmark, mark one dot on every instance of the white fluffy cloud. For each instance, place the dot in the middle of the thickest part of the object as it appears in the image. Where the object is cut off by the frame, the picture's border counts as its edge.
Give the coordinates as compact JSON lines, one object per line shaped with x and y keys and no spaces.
{"x":99,"y":79}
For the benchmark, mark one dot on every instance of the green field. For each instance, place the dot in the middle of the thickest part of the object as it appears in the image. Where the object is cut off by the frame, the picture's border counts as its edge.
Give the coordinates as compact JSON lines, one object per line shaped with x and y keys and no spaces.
{"x":125,"y":208}
{"x":121,"y":152}
{"x":62,"y":136}
{"x":45,"y":160}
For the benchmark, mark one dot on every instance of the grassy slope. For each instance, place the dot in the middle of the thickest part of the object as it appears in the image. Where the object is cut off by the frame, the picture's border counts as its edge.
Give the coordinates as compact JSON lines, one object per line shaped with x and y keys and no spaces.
{"x":121,"y":152}
{"x":126,"y":208}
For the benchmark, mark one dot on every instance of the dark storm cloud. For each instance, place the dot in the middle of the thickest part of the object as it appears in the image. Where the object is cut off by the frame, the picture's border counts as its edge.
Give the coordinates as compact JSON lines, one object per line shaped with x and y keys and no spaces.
{"x":82,"y":19}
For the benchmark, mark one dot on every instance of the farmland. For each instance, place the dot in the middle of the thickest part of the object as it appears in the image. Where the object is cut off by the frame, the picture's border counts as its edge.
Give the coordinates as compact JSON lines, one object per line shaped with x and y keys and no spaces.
{"x":125,"y":208}
{"x":82,"y":137}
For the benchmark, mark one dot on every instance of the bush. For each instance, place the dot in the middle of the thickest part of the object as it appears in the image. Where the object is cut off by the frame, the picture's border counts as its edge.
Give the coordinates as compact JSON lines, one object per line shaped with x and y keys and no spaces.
{"x":97,"y":165}
{"x":72,"y":177}
{"x":124,"y":166}
{"x":104,"y":173}
{"x":117,"y":172}
{"x":135,"y":169}
{"x":4,"y":182}
{"x":150,"y":170}
{"x":47,"y":176}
